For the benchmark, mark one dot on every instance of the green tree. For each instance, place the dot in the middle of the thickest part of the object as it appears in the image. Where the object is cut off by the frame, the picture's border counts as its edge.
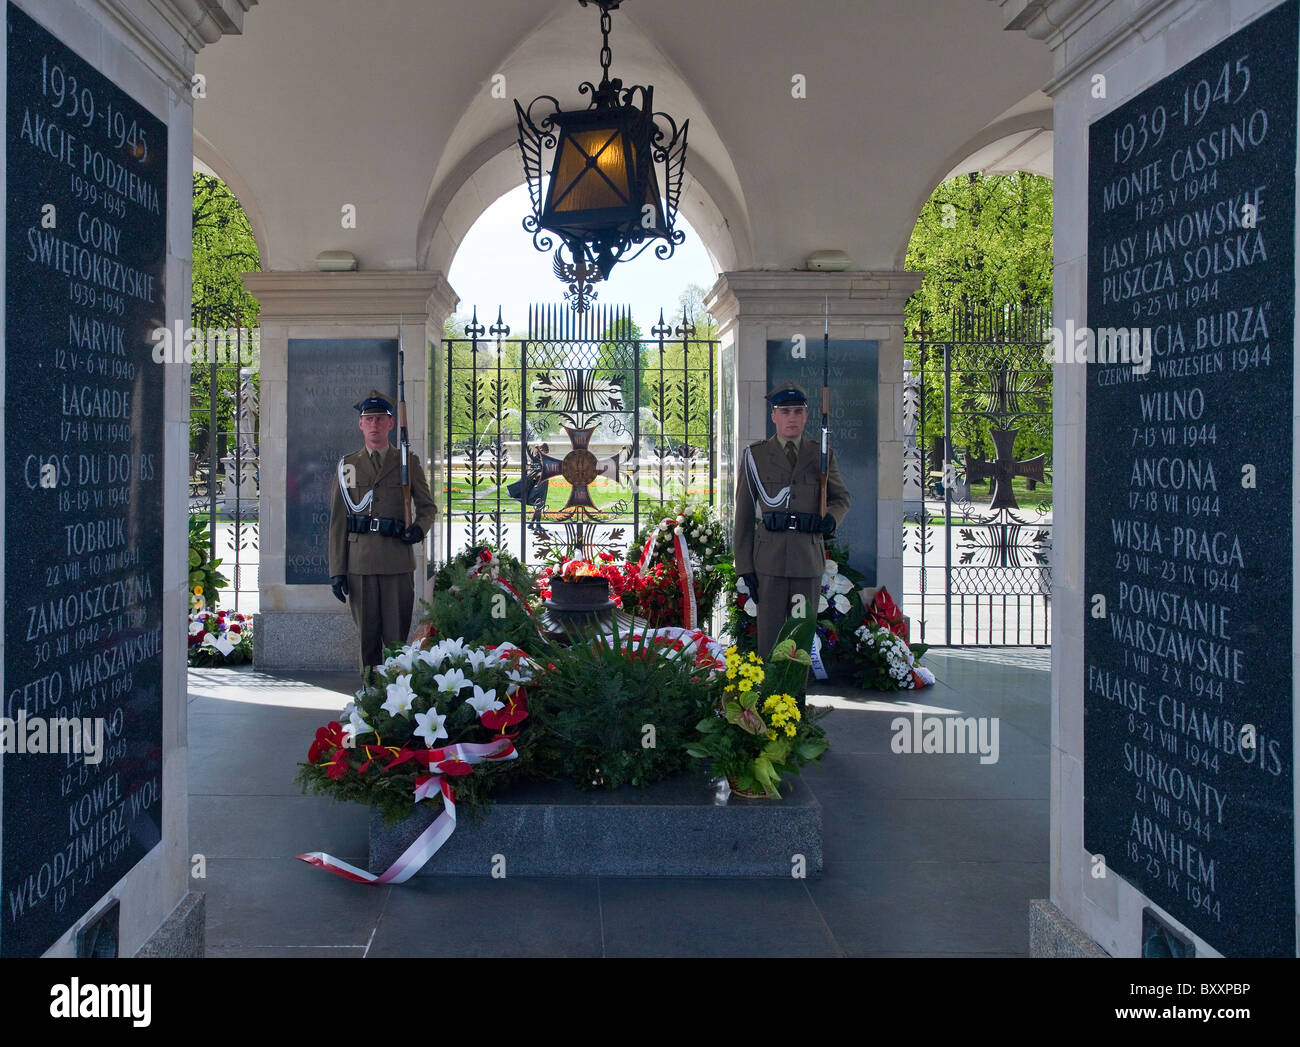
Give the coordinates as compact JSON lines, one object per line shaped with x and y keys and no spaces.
{"x":223,"y":248}
{"x":984,"y":243}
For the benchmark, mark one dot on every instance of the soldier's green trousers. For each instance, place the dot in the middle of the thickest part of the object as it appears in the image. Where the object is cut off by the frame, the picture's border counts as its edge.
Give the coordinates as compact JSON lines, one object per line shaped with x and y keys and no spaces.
{"x":776,"y":602}
{"x":381,"y":605}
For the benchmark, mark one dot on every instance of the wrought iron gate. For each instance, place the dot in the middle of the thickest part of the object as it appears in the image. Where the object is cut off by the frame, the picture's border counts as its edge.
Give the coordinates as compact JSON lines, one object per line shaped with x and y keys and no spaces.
{"x":977,"y":495}
{"x":567,"y":440}
{"x":223,"y":462}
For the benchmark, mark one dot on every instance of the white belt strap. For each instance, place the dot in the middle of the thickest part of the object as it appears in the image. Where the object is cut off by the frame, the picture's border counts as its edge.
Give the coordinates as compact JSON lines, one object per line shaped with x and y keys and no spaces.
{"x":782,"y":499}
{"x":355,"y":508}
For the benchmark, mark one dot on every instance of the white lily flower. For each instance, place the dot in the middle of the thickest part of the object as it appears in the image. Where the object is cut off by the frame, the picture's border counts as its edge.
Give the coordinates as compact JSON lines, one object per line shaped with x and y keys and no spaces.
{"x":432,"y":657}
{"x":400,"y":697}
{"x":485,"y":701}
{"x":356,"y":724}
{"x":453,"y":681}
{"x":429,"y":726}
{"x":403,"y":662}
{"x":477,"y":658}
{"x":519,"y":676}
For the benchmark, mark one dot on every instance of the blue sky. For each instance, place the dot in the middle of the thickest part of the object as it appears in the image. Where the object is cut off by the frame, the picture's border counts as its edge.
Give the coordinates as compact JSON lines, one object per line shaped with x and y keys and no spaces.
{"x":498,"y":265}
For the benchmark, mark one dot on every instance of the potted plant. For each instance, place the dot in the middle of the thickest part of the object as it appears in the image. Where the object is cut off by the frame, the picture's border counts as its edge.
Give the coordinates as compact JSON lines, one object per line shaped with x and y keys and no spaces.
{"x":759,"y":732}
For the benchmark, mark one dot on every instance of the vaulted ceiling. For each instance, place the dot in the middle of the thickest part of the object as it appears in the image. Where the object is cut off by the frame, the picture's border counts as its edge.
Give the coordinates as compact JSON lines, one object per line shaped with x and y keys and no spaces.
{"x":388,"y":105}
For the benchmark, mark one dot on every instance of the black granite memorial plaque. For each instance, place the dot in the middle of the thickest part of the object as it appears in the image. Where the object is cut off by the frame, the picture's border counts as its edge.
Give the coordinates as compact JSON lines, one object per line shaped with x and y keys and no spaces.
{"x":326,"y":377}
{"x":86,"y":228}
{"x":1187,"y":668}
{"x":855,"y":390}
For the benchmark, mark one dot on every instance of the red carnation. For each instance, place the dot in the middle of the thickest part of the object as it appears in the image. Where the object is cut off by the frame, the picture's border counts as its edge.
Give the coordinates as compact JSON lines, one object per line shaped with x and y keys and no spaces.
{"x":233,"y":629}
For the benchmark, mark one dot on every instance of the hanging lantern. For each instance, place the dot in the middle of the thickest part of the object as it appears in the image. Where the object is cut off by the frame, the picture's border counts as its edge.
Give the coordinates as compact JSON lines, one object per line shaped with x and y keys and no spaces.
{"x":601,"y":198}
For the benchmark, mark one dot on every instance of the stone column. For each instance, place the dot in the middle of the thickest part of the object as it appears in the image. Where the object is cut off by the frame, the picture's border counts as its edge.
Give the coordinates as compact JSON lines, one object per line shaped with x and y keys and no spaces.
{"x":1106,"y":55}
{"x":757,"y":307}
{"x":304,"y":626}
{"x":145,"y":54}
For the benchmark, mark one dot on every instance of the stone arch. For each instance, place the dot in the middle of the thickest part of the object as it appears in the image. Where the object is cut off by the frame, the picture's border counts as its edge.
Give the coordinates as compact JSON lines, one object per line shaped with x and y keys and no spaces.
{"x":1013,"y":144}
{"x":208,"y":155}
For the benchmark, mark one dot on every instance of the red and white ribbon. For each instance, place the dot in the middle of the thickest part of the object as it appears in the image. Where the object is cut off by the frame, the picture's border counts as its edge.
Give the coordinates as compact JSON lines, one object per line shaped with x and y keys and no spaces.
{"x":426,"y":845}
{"x":486,"y":562}
{"x":682,"y":563}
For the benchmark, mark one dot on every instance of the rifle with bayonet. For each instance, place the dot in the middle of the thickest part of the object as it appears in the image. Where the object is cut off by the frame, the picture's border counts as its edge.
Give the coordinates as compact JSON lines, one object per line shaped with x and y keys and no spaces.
{"x":403,"y":441}
{"x":826,"y":407}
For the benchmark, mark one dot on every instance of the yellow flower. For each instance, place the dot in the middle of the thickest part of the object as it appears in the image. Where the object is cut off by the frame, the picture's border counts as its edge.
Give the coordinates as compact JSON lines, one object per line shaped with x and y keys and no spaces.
{"x":198,"y":590}
{"x":744,"y":686}
{"x":771,"y":736}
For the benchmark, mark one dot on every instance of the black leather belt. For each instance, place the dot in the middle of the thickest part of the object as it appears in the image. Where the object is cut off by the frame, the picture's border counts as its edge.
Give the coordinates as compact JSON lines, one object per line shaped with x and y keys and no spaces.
{"x":805,"y":523}
{"x":385,"y":525}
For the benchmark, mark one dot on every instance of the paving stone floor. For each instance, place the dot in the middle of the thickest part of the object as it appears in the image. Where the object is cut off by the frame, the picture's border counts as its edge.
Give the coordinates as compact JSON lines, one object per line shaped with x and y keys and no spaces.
{"x":925,"y":855}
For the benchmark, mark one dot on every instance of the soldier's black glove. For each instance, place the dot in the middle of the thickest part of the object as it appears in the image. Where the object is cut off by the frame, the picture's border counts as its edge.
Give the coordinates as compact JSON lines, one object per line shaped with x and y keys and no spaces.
{"x":751,"y":583}
{"x":828,"y":525}
{"x":412,"y":535}
{"x":339,"y":583}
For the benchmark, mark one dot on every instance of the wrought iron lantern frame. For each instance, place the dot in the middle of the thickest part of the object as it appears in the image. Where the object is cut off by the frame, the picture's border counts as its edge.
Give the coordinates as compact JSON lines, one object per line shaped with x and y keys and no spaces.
{"x":653,"y":153}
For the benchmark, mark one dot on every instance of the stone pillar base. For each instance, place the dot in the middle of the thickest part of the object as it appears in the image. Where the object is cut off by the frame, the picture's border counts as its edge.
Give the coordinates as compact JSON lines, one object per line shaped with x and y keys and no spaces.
{"x":305,"y":640}
{"x":1052,"y":934}
{"x":182,"y":933}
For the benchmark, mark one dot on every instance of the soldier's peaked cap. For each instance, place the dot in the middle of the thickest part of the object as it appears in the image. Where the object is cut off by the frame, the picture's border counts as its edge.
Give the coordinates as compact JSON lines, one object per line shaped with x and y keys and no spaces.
{"x":787,"y":395}
{"x":375,"y":403}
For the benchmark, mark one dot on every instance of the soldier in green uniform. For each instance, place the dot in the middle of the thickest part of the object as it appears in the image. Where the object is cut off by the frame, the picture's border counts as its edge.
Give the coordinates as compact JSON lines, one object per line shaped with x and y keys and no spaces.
{"x":779,"y":534}
{"x":370,"y":547}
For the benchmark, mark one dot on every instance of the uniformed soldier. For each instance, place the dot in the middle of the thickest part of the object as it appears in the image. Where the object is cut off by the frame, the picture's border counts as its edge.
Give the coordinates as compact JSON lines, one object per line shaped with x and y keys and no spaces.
{"x":371,"y":554}
{"x":779,"y":534}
